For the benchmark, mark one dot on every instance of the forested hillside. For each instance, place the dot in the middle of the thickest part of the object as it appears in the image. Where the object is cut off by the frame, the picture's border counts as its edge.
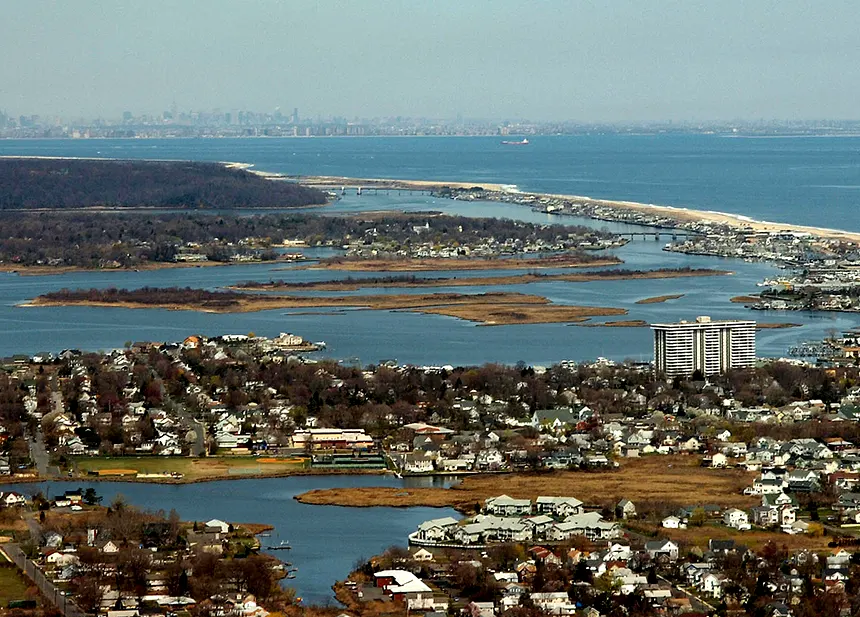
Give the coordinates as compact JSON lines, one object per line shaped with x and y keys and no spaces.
{"x":27,"y":184}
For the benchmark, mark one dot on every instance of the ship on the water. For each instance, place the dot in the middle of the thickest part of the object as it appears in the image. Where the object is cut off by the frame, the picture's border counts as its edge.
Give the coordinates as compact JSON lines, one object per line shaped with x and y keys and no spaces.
{"x":522,"y":142}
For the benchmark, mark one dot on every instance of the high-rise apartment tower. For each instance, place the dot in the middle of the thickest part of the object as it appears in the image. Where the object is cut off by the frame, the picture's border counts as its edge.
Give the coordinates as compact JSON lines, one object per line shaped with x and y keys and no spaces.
{"x":708,"y":346}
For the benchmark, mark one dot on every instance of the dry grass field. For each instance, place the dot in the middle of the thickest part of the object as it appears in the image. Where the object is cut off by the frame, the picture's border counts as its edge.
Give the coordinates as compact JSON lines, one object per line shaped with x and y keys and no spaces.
{"x":756,"y":539}
{"x":667,"y":479}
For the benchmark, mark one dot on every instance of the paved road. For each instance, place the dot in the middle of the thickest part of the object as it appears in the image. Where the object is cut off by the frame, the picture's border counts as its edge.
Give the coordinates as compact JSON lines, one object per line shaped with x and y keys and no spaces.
{"x":36,"y":442}
{"x":38,"y":453}
{"x":696,"y":602}
{"x":198,"y":448}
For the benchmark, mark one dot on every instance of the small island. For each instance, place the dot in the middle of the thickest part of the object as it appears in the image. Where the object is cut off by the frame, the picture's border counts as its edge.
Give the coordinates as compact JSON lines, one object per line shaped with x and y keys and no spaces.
{"x":659,"y":299}
{"x":412,"y":281}
{"x":498,"y":308}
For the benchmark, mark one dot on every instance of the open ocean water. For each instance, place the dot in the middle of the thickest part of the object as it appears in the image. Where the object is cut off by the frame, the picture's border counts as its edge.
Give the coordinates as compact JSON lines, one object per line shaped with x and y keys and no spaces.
{"x":803,"y":180}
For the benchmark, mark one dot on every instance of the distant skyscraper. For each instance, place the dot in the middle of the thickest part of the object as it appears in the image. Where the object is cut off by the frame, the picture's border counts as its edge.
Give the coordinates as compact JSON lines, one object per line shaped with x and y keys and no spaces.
{"x":295,"y":118}
{"x":708,"y":346}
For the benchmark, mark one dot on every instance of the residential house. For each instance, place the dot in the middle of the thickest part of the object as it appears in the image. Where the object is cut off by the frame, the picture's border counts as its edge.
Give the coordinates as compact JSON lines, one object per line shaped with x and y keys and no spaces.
{"x":217,"y":526}
{"x":504,"y":505}
{"x":737,"y":519}
{"x":558,"y":506}
{"x":625,"y":509}
{"x":422,"y":554}
{"x":719,"y":460}
{"x":489,"y":458}
{"x":12,"y":499}
{"x":435,"y":530}
{"x":662,"y":548}
{"x":405,"y":587}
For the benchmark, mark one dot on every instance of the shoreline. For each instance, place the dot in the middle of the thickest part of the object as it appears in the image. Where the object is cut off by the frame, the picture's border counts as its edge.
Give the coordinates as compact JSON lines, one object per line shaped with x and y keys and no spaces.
{"x":150,"y":266}
{"x":452,"y":264}
{"x":678,"y":214}
{"x":199,"y":480}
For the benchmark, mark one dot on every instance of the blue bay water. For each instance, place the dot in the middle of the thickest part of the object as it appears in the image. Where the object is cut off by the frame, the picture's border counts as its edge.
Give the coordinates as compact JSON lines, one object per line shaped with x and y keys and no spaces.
{"x":789,"y":179}
{"x":326,"y":540}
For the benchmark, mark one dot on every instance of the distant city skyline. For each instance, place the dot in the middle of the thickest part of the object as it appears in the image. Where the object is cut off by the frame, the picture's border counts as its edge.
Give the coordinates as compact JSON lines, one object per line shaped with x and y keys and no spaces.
{"x":559,"y":60}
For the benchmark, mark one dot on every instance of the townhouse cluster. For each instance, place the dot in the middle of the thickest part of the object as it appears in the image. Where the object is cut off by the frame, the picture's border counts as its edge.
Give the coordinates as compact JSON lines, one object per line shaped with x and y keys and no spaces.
{"x":506,"y":519}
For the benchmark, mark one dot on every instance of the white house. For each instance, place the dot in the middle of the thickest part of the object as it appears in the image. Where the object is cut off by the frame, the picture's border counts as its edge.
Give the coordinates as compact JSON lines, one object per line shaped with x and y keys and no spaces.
{"x":719,"y":460}
{"x":737,"y":519}
{"x":558,"y":506}
{"x":662,"y":548}
{"x":218,"y":525}
{"x":489,"y":459}
{"x":712,"y":584}
{"x":12,"y":499}
{"x":626,"y":509}
{"x":422,"y":554}
{"x":671,"y":522}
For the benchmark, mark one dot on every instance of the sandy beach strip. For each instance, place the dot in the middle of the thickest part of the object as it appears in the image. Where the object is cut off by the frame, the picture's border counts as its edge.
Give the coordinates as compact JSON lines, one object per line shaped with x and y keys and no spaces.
{"x":679,"y":214}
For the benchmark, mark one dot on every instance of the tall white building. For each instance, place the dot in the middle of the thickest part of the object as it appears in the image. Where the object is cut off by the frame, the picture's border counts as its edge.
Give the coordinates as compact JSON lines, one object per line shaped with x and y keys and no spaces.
{"x":708,"y":346}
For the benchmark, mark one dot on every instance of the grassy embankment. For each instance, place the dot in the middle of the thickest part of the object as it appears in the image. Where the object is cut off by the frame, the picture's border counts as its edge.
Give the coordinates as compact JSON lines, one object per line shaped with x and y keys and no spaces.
{"x":13,"y":585}
{"x":777,"y":326}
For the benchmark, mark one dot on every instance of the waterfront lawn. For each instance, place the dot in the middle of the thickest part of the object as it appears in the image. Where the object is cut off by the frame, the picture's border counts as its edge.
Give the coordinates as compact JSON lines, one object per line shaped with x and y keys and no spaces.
{"x":13,"y":586}
{"x":190,"y":468}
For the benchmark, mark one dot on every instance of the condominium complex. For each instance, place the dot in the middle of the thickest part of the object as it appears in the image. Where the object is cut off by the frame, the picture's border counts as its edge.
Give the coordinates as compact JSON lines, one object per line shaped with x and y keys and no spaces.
{"x":708,"y":346}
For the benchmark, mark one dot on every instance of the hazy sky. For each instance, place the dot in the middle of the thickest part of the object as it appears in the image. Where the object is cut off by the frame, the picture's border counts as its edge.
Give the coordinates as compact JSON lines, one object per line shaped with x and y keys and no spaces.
{"x":603,"y":60}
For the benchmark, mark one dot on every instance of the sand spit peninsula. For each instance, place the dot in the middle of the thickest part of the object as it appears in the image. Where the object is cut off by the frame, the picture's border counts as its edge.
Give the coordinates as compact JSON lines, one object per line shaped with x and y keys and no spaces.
{"x":504,"y":192}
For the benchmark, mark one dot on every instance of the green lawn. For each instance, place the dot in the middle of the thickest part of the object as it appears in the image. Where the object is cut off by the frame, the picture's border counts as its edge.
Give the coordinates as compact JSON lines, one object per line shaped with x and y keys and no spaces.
{"x":13,"y":585}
